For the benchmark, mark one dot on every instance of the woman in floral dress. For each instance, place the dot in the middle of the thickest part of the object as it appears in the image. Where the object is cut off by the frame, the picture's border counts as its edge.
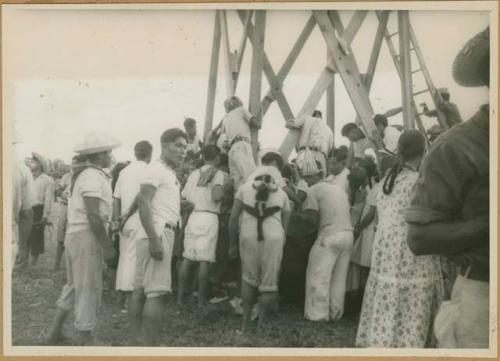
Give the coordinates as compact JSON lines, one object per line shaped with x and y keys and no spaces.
{"x":403,"y":291}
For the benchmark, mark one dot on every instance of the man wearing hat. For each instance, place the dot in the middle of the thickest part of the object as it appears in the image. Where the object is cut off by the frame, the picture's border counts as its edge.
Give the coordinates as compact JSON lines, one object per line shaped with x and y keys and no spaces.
{"x":44,"y":186}
{"x":87,"y":242}
{"x":449,"y":109}
{"x":449,"y":214}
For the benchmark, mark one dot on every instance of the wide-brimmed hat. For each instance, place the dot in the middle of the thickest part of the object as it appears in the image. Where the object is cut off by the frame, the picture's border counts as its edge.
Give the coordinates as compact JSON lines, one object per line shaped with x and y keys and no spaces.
{"x":96,"y":142}
{"x":41,"y":159}
{"x":472,"y":64}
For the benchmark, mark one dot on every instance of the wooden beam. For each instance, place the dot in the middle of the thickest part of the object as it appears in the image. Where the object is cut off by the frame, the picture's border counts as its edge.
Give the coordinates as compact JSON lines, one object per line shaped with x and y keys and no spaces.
{"x":349,"y":72}
{"x":271,"y":77}
{"x":242,"y":47}
{"x":227,"y":52}
{"x":212,"y":79}
{"x":336,"y":21}
{"x":405,"y":66}
{"x":292,"y":137}
{"x":330,"y":99}
{"x":354,"y":25}
{"x":377,"y":45}
{"x":289,"y":61}
{"x":258,"y":36}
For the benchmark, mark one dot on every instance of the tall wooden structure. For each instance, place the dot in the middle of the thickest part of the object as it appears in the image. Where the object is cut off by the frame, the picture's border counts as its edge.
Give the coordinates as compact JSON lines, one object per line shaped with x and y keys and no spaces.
{"x":340,"y":63}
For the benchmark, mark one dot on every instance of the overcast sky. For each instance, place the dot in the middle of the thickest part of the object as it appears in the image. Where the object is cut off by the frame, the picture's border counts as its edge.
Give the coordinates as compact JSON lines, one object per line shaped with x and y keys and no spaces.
{"x":135,"y":73}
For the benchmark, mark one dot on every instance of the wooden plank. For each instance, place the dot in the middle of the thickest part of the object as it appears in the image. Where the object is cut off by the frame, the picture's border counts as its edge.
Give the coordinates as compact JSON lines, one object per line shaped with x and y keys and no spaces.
{"x":271,"y":78}
{"x":289,"y":62}
{"x":354,"y":25}
{"x":405,"y":66}
{"x":242,"y":47}
{"x":212,"y":79}
{"x":377,"y":45}
{"x":258,"y":37}
{"x":334,"y":17}
{"x":349,"y":72}
{"x":292,"y":137}
{"x":330,"y":99}
{"x":227,"y":52}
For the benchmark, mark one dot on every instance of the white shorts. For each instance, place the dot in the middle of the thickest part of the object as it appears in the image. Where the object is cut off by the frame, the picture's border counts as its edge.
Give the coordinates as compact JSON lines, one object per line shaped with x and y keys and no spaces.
{"x":200,"y":237}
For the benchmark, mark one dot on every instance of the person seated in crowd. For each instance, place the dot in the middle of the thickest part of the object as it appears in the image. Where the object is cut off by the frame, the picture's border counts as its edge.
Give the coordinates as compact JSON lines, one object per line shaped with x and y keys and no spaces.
{"x":205,"y":190}
{"x":194,"y":144}
{"x":236,"y":126}
{"x":262,"y":210}
{"x":337,"y":170}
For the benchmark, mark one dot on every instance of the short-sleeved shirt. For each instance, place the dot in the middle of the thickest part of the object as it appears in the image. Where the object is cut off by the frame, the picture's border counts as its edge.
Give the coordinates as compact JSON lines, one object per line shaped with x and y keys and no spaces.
{"x":166,"y":201}
{"x":201,"y":197}
{"x":129,"y":183}
{"x":332,"y":203}
{"x":391,"y":138}
{"x":454,"y":179}
{"x":272,"y":226}
{"x":315,"y":133}
{"x":23,"y":194}
{"x":45,"y":192}
{"x":93,"y":183}
{"x":360,"y":146}
{"x":237,"y":123}
{"x":341,"y":179}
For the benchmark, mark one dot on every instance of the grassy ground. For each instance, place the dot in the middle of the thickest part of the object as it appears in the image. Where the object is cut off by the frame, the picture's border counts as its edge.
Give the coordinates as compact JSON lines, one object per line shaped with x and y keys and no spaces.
{"x":33,"y":306}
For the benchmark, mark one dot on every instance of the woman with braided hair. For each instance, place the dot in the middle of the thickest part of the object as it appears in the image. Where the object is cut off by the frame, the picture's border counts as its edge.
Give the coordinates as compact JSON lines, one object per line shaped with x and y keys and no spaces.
{"x":261,"y":210}
{"x":403,"y":291}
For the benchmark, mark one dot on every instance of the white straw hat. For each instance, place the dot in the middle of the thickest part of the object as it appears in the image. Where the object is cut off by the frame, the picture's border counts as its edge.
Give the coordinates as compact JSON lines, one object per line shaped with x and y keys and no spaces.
{"x":96,"y":142}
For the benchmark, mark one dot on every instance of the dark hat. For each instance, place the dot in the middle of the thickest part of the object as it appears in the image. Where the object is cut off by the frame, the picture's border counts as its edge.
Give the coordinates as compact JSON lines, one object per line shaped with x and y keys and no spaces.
{"x":472,"y":64}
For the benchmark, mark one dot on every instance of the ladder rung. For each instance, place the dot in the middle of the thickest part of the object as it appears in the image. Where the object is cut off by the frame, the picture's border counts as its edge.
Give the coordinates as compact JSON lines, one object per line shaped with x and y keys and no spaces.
{"x":416,"y":71}
{"x":421,"y":92}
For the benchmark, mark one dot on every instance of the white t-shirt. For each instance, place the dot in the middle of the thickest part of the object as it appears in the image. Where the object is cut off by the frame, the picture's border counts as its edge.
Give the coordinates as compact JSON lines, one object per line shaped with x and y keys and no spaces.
{"x":166,"y":201}
{"x":23,"y":195}
{"x":314,"y":133}
{"x":236,"y":123}
{"x":340,"y":179}
{"x":129,"y":183}
{"x":201,"y":197}
{"x":94,"y":183}
{"x":333,"y":206}
{"x":391,"y":138}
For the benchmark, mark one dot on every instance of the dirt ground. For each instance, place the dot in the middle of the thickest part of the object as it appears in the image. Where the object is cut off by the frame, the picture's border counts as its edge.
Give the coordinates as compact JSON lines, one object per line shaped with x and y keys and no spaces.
{"x":33,"y":306}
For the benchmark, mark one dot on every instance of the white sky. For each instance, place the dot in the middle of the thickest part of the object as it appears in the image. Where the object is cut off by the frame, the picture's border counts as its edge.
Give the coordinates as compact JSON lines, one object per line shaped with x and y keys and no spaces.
{"x":135,"y":73}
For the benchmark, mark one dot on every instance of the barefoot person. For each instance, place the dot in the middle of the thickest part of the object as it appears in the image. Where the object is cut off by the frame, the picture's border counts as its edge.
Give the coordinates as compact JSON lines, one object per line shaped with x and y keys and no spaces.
{"x":205,"y":190}
{"x":87,"y":242}
{"x":262,"y":210}
{"x":159,"y":212}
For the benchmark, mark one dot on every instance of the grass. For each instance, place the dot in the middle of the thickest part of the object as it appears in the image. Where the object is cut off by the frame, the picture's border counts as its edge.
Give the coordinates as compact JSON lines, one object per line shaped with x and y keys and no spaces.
{"x":35,"y":292}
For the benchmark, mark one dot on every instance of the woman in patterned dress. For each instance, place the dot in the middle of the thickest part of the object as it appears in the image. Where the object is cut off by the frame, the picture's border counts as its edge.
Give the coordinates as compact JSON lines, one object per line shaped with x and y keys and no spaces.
{"x":403,"y":291}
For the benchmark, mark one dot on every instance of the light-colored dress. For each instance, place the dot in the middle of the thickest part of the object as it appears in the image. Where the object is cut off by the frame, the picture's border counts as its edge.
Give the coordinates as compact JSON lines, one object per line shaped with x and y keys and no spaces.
{"x":403,"y":291}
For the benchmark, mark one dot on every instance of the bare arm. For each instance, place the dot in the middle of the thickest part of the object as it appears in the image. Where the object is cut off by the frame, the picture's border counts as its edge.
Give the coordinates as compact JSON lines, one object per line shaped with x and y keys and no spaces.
{"x":96,"y":222}
{"x":233,"y":227}
{"x":117,"y":208}
{"x":350,"y":156}
{"x":145,"y":199}
{"x":445,"y":238}
{"x":49,"y":196}
{"x":255,"y":122}
{"x":392,"y":112}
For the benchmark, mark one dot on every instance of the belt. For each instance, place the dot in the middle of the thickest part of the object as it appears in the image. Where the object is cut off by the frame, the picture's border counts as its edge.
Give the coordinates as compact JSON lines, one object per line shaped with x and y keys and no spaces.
{"x":171,"y":227}
{"x":316,"y":149}
{"x":237,"y":139}
{"x":205,"y":211}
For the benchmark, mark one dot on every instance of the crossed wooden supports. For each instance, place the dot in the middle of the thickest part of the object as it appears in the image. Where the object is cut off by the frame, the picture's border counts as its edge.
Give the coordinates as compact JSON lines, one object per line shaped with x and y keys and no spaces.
{"x":340,"y":60}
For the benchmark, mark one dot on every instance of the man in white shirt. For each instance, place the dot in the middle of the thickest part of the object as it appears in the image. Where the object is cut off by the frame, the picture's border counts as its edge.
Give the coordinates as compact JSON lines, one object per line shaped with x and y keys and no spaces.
{"x":159,"y":211}
{"x":236,"y":125}
{"x":337,"y":172}
{"x":390,"y":135}
{"x":126,"y":190}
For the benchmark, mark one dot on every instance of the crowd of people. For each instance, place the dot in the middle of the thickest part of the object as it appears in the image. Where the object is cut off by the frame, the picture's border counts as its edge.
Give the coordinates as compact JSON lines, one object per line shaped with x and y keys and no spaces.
{"x":398,"y":217}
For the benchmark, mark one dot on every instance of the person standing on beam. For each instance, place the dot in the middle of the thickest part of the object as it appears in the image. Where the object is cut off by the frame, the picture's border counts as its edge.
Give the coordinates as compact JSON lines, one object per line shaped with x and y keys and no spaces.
{"x":315,"y":137}
{"x":236,"y":125}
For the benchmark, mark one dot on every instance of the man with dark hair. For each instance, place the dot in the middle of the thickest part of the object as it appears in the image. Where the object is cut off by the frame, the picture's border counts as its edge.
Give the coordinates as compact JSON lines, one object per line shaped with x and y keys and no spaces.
{"x":194,"y":143}
{"x":126,"y":189}
{"x":205,"y":190}
{"x":449,"y":214}
{"x":87,"y":241}
{"x":359,"y":143}
{"x":389,"y":134}
{"x":159,"y":213}
{"x":450,"y":110}
{"x":336,"y":167}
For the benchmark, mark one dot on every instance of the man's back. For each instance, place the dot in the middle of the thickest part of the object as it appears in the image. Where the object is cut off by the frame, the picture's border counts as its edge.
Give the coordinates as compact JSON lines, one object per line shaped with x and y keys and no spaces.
{"x":129,"y":183}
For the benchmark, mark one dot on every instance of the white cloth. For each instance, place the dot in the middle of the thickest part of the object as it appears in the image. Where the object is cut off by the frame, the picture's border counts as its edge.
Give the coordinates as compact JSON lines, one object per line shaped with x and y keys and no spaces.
{"x":333,"y":206}
{"x":361,"y":146}
{"x":45,"y":192}
{"x":236,"y":123}
{"x":201,"y":197}
{"x":129,"y":183}
{"x":125,"y":272}
{"x":241,"y":163}
{"x":166,"y":201}
{"x":93,"y":183}
{"x":195,"y":145}
{"x":272,"y":171}
{"x":314,"y":133}
{"x":391,"y":138}
{"x":200,"y":237}
{"x":340,"y":179}
{"x":326,"y":276}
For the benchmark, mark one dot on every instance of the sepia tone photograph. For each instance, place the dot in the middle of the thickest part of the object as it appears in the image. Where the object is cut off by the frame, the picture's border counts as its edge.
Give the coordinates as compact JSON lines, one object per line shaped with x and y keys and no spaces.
{"x":218,"y":179}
